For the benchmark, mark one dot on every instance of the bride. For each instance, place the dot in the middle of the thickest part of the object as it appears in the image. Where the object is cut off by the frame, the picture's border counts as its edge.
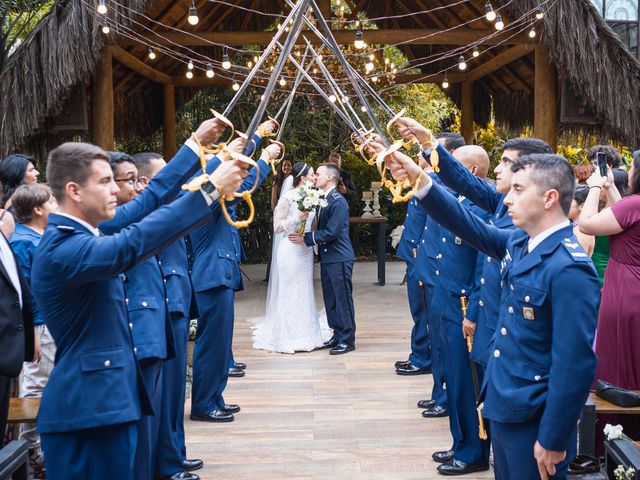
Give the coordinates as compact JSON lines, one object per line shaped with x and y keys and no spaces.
{"x":291,"y":322}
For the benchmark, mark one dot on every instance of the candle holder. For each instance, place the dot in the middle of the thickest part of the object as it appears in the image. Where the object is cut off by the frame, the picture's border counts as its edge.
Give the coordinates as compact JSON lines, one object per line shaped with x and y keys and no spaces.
{"x":376,"y":199}
{"x":366,"y":198}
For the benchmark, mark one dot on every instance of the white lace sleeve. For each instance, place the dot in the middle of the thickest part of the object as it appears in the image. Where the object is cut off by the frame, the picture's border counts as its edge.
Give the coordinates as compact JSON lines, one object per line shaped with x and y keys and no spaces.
{"x":281,"y":214}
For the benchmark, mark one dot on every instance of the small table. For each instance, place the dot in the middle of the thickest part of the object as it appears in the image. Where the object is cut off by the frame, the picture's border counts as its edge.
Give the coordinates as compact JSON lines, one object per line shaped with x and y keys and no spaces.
{"x":381,"y":243}
{"x":23,"y":410}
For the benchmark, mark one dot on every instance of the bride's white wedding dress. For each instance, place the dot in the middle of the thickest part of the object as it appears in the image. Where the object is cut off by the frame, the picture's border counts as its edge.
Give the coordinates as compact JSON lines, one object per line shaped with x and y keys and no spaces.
{"x":292,"y":322}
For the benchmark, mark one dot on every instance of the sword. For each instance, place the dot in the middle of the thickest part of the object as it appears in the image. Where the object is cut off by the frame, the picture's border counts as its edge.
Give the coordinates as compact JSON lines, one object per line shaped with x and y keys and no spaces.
{"x":482,"y":433}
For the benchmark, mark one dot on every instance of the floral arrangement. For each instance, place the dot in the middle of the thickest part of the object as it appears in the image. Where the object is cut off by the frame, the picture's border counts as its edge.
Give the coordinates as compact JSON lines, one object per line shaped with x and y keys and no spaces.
{"x":621,"y":474}
{"x":614,"y":432}
{"x":307,"y":198}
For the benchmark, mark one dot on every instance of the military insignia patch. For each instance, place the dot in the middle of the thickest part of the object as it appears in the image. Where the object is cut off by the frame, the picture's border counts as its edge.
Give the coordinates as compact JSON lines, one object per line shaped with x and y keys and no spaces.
{"x":527,"y":313}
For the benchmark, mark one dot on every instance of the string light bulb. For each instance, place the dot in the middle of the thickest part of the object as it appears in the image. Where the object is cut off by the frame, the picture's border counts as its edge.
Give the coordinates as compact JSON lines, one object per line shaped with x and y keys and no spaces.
{"x":445,"y":82}
{"x":226,"y":64}
{"x":249,"y":64}
{"x":210,"y":73}
{"x":359,"y":41}
{"x":462,"y":65}
{"x":490,"y":14}
{"x":476,"y":52}
{"x":363,"y":109}
{"x":152,"y":54}
{"x":499,"y":23}
{"x":539,"y":14}
{"x":369,"y":66}
{"x":105,"y":26}
{"x":235,"y":86}
{"x":283,"y":82}
{"x":374,"y":79}
{"x":189,"y":74}
{"x":532,"y":32}
{"x":332,"y":98}
{"x":193,"y":14}
{"x":102,"y":7}
{"x":190,"y":65}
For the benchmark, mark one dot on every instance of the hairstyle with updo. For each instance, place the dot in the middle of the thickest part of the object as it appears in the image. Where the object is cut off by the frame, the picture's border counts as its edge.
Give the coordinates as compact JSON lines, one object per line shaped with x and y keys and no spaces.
{"x":299,"y":170}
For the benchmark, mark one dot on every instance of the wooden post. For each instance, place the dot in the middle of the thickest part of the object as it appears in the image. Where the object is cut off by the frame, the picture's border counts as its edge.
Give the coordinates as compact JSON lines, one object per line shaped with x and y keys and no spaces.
{"x":169,"y":121}
{"x":466,"y":119}
{"x":102,"y":130}
{"x":545,"y":116}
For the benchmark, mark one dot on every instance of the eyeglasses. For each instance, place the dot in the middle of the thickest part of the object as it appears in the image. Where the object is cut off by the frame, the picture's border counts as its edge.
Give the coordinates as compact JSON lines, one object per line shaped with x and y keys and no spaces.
{"x":129,"y":181}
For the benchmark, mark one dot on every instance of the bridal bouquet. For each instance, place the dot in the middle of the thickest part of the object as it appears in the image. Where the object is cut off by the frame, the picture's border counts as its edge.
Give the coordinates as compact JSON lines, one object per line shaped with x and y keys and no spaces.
{"x":308,"y":198}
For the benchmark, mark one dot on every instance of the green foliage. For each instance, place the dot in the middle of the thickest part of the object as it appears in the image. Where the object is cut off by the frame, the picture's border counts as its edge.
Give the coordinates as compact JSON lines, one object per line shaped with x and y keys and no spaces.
{"x":18,"y":18}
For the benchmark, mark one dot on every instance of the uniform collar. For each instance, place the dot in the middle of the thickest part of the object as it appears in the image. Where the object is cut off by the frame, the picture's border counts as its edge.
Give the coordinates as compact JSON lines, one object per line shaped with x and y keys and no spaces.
{"x":25,"y":231}
{"x":538,"y":239}
{"x":92,"y":230}
{"x":327,"y":192}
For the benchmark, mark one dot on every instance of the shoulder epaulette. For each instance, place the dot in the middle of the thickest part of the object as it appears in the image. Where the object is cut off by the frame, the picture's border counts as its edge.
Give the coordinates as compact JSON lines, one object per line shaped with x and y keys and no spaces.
{"x":575,"y":250}
{"x":66,"y":228}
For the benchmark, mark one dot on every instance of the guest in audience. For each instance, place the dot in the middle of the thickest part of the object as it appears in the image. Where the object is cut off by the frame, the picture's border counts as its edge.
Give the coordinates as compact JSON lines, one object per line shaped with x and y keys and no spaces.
{"x":32,"y":204}
{"x":15,"y":170}
{"x":619,"y":319}
{"x":345,"y":185}
{"x":451,"y":140}
{"x":7,"y":222}
{"x":284,"y":170}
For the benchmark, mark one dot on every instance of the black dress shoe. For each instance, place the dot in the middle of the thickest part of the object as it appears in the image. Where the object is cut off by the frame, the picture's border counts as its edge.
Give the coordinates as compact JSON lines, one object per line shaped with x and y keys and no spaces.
{"x":229,"y":408}
{"x":192,"y":464}
{"x":411,"y":369}
{"x":456,"y":467}
{"x":444,"y":456}
{"x":435,"y":412}
{"x":341,"y":348}
{"x":426,"y":404}
{"x":184,"y":476}
{"x":236,"y":373}
{"x":215,"y":416}
{"x":331,"y":343}
{"x":240,"y":365}
{"x":402,"y":363}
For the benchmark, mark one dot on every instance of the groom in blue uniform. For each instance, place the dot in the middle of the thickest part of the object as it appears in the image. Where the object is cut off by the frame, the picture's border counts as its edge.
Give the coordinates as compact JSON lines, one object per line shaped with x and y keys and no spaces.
{"x":336,"y":260}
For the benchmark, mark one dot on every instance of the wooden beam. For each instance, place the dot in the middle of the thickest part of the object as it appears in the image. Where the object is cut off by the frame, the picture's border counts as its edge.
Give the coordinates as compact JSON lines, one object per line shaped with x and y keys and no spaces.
{"x":545,"y":116}
{"x":466,"y":117}
{"x":169,"y":121}
{"x":102,"y":124}
{"x":499,"y":61}
{"x":414,"y":36}
{"x":325,"y":9}
{"x":139,"y":66}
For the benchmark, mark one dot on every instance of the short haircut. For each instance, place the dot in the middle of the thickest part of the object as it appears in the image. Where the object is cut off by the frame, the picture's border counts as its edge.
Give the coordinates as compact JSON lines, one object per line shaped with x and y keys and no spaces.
{"x":334,"y":157}
{"x":580,"y":195}
{"x":451,"y":140}
{"x":527,"y":146}
{"x":142,"y":162}
{"x":335,"y":171}
{"x":611,"y":153}
{"x":549,"y":171}
{"x":117,"y":158}
{"x":71,"y":162}
{"x":621,"y":180}
{"x":28,"y":197}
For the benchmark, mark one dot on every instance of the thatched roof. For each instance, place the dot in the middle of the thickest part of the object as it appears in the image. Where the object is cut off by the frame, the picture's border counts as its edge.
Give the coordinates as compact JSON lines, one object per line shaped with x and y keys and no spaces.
{"x":62,"y":52}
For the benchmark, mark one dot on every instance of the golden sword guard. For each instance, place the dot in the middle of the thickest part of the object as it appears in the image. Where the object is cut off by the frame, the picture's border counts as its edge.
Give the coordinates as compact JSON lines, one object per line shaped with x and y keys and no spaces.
{"x":396,"y":188}
{"x":275,"y":161}
{"x":226,"y":121}
{"x":407,"y":143}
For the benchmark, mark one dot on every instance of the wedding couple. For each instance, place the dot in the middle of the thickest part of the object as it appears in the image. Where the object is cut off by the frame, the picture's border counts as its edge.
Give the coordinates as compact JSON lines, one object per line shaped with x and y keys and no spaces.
{"x":292,"y":322}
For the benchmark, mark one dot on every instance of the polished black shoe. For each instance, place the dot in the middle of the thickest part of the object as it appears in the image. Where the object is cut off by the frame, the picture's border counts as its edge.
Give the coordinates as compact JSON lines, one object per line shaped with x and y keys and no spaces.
{"x":411,"y":369}
{"x":435,"y":412}
{"x":184,"y":476}
{"x":230,"y":408}
{"x":236,"y":373}
{"x":331,"y":343}
{"x":402,"y":363}
{"x":456,"y":467}
{"x":444,"y":456}
{"x":426,"y":404}
{"x":240,"y":365}
{"x":341,"y":348}
{"x":215,"y":416}
{"x":192,"y":464}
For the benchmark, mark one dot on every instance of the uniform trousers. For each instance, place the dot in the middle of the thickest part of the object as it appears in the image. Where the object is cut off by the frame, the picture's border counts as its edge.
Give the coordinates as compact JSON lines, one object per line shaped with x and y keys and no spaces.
{"x":337,"y":293}
{"x":513,"y":451}
{"x":420,"y":352}
{"x":103,"y":453}
{"x":463,"y":417}
{"x":171,"y":451}
{"x":149,"y":425}
{"x":438,"y":393}
{"x":212,"y":351}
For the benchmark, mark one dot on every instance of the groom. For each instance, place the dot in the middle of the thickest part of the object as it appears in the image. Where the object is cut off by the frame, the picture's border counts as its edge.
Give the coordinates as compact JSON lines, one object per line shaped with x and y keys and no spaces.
{"x":336,"y":260}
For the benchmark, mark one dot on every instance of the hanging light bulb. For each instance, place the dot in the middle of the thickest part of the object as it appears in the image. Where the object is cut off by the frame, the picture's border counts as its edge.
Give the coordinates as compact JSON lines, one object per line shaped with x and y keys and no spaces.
{"x":189,"y":74}
{"x":490,"y":14}
{"x":190,"y":65}
{"x":226,"y":64}
{"x":532,"y":32}
{"x":298,"y":53}
{"x":372,"y":57}
{"x":152,"y":54}
{"x":499,"y":23}
{"x":271,"y":68}
{"x":102,"y":7}
{"x":462,"y":65}
{"x":262,"y":98}
{"x":369,"y":66}
{"x":193,"y":14}
{"x":210,"y":73}
{"x":249,"y":64}
{"x":359,"y":41}
{"x":476,"y":52}
{"x":256,"y":58}
{"x":332,"y":98}
{"x":345,"y":99}
{"x":374,"y":79}
{"x":235,"y":86}
{"x":315,"y":70}
{"x":286,"y":29}
{"x":105,"y":26}
{"x":363,"y":109}
{"x":320,"y":57}
{"x":539,"y":14}
{"x":283,"y":82}
{"x":445,"y":82}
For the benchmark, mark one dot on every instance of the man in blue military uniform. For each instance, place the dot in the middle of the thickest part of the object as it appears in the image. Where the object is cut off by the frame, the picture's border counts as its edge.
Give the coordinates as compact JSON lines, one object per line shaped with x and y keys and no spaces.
{"x":215,"y":286}
{"x":541,"y":366}
{"x":336,"y":260}
{"x":95,"y":395}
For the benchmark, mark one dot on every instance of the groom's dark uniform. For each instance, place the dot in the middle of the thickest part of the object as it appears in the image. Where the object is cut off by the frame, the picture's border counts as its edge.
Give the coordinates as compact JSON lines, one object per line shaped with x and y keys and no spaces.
{"x":336,"y":265}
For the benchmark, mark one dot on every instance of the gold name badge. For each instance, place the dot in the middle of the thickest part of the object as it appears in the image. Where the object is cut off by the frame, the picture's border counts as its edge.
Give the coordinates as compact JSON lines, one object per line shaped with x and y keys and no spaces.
{"x":528,"y":314}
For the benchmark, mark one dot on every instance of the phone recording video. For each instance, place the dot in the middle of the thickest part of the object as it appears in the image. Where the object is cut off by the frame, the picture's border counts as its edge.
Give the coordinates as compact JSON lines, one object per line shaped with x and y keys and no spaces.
{"x":601,"y":159}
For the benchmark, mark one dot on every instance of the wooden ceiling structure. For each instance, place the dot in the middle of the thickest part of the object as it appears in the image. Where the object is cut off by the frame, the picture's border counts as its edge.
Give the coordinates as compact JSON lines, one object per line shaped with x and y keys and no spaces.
{"x":516,"y":75}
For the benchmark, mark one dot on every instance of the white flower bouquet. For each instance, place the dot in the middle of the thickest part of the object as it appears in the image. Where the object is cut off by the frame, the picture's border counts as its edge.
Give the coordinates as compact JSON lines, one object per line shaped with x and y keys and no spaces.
{"x":308,"y":198}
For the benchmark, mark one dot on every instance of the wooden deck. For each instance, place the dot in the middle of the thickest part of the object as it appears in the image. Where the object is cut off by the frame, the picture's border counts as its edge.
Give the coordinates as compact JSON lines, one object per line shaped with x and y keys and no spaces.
{"x":314,"y":416}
